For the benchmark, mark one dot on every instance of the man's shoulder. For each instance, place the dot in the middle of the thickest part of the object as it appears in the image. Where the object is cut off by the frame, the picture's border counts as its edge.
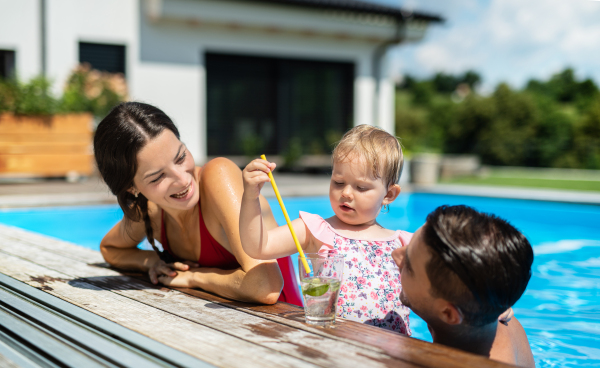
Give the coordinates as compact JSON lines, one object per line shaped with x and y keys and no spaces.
{"x":511,"y":345}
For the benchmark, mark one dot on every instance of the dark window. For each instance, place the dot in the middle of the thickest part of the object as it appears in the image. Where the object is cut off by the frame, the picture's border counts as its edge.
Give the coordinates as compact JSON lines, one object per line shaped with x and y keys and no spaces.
{"x":108,"y":58}
{"x":260,"y":104}
{"x":7,"y":63}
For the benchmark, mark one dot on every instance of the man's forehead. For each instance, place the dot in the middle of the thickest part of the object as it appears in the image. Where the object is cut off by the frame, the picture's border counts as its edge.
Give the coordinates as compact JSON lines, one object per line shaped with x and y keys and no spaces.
{"x":417,"y":250}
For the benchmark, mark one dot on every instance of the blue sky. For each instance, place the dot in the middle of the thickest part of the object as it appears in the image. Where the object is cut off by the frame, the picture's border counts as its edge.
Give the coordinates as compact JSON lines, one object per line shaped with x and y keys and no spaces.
{"x":504,"y":40}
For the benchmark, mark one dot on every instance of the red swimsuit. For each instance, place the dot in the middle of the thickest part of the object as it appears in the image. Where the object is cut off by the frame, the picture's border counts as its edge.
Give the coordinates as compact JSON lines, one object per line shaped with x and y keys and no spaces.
{"x":214,"y":255}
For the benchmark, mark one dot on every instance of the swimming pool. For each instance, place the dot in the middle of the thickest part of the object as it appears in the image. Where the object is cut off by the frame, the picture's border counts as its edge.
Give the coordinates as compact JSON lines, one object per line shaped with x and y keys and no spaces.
{"x":560,"y":309}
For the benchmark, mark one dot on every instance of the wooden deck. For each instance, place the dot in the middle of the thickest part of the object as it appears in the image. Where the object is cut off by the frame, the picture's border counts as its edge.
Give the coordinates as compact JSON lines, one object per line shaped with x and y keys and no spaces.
{"x":218,"y":331}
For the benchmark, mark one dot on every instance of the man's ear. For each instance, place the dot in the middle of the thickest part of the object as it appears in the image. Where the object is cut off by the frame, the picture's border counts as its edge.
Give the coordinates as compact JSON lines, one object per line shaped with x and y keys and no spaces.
{"x":392,"y":193}
{"x":448,"y":312}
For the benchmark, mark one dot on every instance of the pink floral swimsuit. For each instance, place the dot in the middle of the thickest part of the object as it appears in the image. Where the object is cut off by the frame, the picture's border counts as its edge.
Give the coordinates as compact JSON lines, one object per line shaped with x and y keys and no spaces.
{"x":370,"y":291}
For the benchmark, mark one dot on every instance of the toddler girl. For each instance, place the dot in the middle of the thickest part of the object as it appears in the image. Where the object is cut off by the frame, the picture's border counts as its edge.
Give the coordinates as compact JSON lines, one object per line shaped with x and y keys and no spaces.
{"x":367,"y":163}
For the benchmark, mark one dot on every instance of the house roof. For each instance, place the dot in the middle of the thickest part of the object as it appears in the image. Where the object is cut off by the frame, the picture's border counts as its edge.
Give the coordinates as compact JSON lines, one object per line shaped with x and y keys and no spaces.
{"x":363,"y":7}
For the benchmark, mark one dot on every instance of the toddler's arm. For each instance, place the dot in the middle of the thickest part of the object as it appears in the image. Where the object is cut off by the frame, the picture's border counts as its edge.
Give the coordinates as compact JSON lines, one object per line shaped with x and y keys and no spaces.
{"x":257,"y":242}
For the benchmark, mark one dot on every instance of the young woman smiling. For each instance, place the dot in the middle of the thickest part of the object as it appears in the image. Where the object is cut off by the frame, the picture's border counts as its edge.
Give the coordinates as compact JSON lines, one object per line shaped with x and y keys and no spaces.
{"x":193,"y":211}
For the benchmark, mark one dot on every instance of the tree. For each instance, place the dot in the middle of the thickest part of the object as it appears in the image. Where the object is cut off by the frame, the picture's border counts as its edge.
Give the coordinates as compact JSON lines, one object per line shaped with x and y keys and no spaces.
{"x":422,"y":93}
{"x":445,"y":83}
{"x":471,"y":78}
{"x":587,"y":139}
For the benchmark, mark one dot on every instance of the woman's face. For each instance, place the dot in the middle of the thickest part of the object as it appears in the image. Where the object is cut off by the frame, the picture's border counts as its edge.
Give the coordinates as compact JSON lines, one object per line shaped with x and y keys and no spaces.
{"x":165,"y":173}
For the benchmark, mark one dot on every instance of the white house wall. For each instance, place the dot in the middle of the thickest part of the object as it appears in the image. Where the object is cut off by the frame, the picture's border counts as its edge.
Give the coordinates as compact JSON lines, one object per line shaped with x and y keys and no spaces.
{"x":183,"y":43}
{"x":20,"y":31}
{"x":166,"y":41}
{"x":385,"y":98}
{"x":274,"y":17}
{"x":177,"y":90}
{"x":101,"y":21}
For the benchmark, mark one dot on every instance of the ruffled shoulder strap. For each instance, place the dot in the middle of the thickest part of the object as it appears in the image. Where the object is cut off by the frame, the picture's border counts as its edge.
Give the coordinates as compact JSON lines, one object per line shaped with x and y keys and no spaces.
{"x":404,"y":237}
{"x":318,"y":227}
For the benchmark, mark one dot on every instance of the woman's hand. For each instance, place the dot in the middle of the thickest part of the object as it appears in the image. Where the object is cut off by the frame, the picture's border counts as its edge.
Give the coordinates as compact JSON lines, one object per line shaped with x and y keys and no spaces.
{"x":162,"y":269}
{"x":255,"y":175}
{"x":182,"y":279}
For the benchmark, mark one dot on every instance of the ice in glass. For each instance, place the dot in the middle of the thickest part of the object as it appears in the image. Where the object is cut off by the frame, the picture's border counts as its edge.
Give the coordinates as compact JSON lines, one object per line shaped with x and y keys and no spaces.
{"x":321,"y":287}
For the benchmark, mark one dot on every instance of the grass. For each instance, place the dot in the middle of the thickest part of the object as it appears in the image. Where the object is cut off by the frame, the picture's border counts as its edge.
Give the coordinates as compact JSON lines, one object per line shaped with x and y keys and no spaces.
{"x":492,"y":180}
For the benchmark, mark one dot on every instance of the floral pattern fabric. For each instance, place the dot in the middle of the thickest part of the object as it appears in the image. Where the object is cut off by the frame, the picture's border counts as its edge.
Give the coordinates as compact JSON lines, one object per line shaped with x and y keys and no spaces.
{"x":370,"y":291}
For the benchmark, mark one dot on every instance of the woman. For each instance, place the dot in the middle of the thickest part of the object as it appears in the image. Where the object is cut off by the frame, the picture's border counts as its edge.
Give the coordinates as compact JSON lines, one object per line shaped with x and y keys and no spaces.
{"x":192,"y":211}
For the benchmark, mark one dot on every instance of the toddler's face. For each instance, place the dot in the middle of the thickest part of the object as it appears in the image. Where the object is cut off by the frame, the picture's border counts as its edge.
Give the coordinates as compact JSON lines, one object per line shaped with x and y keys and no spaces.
{"x":356,"y":197}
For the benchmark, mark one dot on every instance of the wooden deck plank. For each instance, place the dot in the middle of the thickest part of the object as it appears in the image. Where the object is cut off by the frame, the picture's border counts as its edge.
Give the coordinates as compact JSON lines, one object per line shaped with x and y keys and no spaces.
{"x":197,"y":340}
{"x":51,"y":244}
{"x":286,"y":339}
{"x":396,"y":345}
{"x":53,"y":261}
{"x":81,"y":329}
{"x":283,"y":338}
{"x":366,"y":337}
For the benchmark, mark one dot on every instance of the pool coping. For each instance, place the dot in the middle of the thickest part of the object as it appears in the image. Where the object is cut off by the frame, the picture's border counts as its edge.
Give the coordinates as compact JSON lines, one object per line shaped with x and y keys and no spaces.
{"x":306,"y":186}
{"x":535,"y":194}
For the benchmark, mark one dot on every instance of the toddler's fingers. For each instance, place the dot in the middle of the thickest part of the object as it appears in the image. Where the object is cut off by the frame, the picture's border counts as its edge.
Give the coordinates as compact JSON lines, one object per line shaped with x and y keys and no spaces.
{"x":258,"y":165}
{"x":268,"y":166}
{"x":257,"y":176}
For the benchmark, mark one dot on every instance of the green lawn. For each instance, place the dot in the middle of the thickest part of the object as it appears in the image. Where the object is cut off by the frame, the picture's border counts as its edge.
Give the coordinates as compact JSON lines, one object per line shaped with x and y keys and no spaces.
{"x":529,"y":183}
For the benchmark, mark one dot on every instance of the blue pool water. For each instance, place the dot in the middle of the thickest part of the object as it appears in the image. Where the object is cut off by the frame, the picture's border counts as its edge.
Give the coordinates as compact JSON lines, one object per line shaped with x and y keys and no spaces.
{"x":560,"y":309}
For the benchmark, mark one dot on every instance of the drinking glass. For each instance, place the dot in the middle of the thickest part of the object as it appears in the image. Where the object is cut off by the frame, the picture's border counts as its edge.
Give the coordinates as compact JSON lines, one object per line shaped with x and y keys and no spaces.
{"x":321,"y":287}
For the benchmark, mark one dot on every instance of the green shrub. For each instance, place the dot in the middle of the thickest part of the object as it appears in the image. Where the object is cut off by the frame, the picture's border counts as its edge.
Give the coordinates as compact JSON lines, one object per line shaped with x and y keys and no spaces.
{"x":8,"y":94}
{"x":86,"y":90}
{"x":93,"y":91}
{"x":554,"y":123}
{"x":31,"y":98}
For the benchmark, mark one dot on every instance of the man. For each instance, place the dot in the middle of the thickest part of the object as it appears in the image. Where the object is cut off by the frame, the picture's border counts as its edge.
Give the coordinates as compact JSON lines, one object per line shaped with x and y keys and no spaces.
{"x":461,"y":270}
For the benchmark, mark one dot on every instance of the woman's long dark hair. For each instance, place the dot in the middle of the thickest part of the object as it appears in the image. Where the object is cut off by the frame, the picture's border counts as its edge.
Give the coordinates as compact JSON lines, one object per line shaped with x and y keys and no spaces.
{"x":118,"y":139}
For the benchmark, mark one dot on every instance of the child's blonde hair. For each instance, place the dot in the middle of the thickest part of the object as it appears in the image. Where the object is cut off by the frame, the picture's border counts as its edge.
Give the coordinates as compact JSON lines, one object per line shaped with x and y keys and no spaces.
{"x":378,"y":148}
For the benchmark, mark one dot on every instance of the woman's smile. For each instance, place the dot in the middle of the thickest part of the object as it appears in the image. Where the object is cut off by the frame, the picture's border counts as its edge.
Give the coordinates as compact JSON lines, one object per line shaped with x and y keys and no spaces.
{"x":186,"y":193}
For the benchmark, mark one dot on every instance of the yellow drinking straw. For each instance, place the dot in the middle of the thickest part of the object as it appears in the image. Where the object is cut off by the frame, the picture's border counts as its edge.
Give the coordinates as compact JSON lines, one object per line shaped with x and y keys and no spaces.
{"x":287,"y":219}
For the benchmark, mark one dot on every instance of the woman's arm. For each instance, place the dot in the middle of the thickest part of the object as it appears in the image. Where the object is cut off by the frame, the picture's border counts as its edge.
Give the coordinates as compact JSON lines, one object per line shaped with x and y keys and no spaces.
{"x":257,"y":240}
{"x":119,"y":249}
{"x":221,"y":196}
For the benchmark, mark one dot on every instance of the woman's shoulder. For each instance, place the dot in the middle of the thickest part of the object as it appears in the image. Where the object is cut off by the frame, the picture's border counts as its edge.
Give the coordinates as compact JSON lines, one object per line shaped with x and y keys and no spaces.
{"x":217,"y":173}
{"x":218,"y":166}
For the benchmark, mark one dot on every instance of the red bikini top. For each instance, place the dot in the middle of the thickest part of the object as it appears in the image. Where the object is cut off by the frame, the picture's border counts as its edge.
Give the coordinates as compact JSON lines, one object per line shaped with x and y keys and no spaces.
{"x":212,"y":253}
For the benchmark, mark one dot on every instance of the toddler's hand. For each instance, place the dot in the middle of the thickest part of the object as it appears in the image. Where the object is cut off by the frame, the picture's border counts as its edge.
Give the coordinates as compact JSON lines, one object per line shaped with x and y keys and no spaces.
{"x":255,"y":176}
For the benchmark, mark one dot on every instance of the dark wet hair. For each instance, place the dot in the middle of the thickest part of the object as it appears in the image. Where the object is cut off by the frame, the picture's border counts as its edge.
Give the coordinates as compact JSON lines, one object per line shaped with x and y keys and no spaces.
{"x":118,"y":139}
{"x":479,"y":262}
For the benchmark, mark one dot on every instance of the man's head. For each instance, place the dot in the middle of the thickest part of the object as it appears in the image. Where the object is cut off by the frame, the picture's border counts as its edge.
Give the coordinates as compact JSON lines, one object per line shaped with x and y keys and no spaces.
{"x":463,"y":267}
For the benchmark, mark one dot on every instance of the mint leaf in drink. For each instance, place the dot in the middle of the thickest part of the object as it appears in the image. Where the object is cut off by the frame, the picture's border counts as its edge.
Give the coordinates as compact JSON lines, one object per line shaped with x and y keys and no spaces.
{"x":314,"y":289}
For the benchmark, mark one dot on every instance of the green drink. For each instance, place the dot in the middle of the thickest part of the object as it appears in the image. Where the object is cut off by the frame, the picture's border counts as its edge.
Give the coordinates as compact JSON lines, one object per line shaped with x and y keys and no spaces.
{"x":320,"y":288}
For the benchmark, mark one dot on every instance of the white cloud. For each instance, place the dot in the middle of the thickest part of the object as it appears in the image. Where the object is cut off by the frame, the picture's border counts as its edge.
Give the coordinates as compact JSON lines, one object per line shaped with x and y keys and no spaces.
{"x":508,"y":40}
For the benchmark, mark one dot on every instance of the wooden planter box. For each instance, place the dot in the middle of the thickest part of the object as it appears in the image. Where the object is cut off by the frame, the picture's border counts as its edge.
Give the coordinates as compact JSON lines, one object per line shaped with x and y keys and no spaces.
{"x":45,"y":146}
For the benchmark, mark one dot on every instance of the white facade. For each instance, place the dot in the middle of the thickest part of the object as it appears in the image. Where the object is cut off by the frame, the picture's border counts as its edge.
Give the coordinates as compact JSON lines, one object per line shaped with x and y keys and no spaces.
{"x":166,"y":41}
